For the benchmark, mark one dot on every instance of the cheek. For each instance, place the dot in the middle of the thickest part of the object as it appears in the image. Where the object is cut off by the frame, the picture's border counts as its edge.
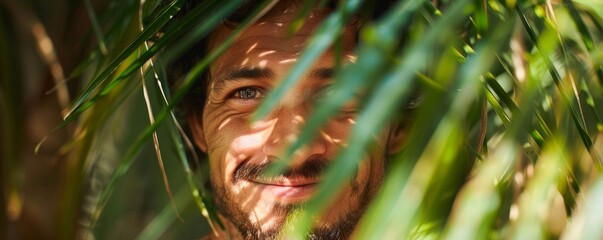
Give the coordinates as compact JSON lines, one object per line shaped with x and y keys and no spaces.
{"x":372,"y":163}
{"x":370,"y":167}
{"x":220,"y":130}
{"x":231,"y":140}
{"x":221,"y":125}
{"x":337,"y":131}
{"x":253,"y":139}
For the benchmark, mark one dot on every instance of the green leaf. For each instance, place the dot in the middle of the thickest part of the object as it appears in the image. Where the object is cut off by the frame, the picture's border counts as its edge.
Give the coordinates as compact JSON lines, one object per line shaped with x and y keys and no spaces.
{"x":151,"y":30}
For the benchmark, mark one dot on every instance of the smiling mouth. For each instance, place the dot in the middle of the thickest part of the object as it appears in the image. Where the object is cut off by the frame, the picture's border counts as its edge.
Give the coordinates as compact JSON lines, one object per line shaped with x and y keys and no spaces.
{"x":292,"y":186}
{"x":287,"y":191}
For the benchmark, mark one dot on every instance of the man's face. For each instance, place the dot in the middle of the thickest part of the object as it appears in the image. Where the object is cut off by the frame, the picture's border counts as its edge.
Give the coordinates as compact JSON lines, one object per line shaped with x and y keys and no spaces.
{"x":239,"y":149}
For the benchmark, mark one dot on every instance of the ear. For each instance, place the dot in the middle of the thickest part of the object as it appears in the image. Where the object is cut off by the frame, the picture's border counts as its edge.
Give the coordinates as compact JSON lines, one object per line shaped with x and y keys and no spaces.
{"x":397,"y":137}
{"x":195,"y":124}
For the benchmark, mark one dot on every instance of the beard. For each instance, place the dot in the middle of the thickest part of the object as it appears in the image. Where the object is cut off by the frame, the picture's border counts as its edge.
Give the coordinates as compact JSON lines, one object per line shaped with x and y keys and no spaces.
{"x":228,"y":206}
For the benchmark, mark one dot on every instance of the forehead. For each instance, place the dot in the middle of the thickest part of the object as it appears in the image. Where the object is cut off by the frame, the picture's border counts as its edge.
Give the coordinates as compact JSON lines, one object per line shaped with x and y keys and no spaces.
{"x":275,"y":22}
{"x":267,"y":42}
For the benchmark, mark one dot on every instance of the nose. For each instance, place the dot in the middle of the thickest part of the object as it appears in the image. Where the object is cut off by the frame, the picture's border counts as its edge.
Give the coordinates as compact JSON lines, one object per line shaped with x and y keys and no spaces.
{"x":286,"y":132}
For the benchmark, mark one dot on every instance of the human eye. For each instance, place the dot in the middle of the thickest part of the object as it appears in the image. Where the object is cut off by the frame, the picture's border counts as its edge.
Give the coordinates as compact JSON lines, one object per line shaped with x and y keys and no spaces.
{"x":247,"y":93}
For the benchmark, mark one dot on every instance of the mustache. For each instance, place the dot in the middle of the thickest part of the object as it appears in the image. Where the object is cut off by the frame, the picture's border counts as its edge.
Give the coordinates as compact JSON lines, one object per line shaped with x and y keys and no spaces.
{"x":311,"y":168}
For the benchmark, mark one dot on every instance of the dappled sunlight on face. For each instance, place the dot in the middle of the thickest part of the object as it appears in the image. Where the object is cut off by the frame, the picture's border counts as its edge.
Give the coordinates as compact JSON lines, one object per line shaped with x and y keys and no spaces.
{"x":244,"y":62}
{"x":289,"y":60}
{"x":352,"y":58}
{"x":251,"y":48}
{"x":256,"y":140}
{"x":331,"y":139}
{"x":241,"y":150}
{"x":256,"y":204}
{"x":224,"y":123}
{"x":266,"y":53}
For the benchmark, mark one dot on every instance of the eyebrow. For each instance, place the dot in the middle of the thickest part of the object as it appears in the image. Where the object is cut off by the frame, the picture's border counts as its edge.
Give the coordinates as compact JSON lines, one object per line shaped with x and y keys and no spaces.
{"x":322,"y":73}
{"x":249,"y":73}
{"x":234,"y":75}
{"x":258,"y":73}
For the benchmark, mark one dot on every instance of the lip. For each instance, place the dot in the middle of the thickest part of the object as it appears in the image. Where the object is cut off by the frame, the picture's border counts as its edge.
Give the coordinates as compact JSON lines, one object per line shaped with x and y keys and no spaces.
{"x":287,"y":190}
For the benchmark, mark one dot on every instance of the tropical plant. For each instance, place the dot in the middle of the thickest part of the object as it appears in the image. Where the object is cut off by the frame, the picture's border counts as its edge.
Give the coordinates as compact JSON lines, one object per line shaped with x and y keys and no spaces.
{"x":502,"y":100}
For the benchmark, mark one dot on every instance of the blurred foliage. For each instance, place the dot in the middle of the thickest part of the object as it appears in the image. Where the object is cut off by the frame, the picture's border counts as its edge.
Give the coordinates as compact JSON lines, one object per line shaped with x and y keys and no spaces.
{"x":505,"y":141}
